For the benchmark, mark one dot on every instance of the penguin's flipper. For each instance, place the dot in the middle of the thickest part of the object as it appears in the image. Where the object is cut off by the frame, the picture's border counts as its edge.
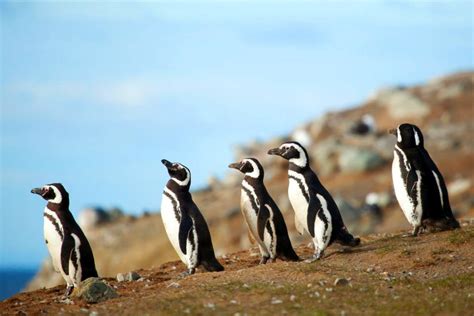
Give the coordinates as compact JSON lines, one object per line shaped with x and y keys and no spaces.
{"x":299,"y":226}
{"x":185,"y":227}
{"x":262,"y":219}
{"x":313,"y":208}
{"x":411,"y":181}
{"x":66,"y":249}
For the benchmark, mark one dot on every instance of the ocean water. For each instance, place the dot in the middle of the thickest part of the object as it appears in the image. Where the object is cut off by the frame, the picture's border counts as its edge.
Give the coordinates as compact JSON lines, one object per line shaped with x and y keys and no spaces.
{"x":13,"y":280}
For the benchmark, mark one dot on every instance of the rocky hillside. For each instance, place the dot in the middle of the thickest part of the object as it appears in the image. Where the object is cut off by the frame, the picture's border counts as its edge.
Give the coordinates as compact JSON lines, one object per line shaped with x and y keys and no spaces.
{"x":350,"y":150}
{"x":388,"y":275}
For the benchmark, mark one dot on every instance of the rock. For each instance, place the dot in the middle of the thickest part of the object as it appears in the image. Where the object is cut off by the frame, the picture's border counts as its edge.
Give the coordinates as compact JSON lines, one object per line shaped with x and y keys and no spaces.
{"x":455,"y":89}
{"x":120,"y":277}
{"x":358,"y":159}
{"x":349,"y":212}
{"x":401,"y":103}
{"x":384,"y":146}
{"x":94,"y":290}
{"x":341,"y":282}
{"x":302,"y":136}
{"x":459,"y":186}
{"x":324,"y":153}
{"x":91,"y":217}
{"x":276,"y":300}
{"x":174,"y":285}
{"x":132,"y":276}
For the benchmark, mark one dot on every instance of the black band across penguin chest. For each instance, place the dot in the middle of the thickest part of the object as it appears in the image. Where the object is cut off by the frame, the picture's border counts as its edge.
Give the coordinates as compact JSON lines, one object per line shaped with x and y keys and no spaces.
{"x":177,"y":211}
{"x":53,"y":221}
{"x":301,"y":186}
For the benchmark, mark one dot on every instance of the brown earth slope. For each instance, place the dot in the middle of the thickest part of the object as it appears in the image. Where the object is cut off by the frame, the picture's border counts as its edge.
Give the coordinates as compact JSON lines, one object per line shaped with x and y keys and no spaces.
{"x":388,"y":274}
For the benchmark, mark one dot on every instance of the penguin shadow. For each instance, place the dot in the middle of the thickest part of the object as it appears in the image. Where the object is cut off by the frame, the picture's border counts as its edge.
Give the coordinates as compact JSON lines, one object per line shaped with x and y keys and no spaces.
{"x":344,"y":250}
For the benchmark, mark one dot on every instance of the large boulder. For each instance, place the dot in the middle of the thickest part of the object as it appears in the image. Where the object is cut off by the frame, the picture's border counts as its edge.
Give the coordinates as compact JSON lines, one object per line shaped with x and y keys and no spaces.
{"x":354,"y":159}
{"x":401,"y":103}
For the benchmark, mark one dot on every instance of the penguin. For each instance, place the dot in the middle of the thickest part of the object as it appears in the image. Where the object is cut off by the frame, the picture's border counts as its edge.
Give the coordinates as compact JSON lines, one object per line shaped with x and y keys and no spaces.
{"x":263,"y":217}
{"x":69,"y":248}
{"x":419,"y":186}
{"x":315,"y":209}
{"x":184,"y":224}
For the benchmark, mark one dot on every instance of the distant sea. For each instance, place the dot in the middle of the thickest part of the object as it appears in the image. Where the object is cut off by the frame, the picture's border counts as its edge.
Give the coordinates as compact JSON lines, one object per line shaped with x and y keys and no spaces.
{"x":13,"y":280}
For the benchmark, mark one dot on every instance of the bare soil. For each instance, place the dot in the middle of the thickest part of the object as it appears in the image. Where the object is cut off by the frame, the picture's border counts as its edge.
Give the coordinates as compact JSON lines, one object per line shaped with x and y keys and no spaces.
{"x":389,"y":274}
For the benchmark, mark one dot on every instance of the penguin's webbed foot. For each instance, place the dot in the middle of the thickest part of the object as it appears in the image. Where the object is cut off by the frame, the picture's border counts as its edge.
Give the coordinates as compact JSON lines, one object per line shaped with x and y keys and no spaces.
{"x":416,"y":231}
{"x":187,"y":273}
{"x":271,"y":260}
{"x":264,"y":260}
{"x":315,"y":257}
{"x":68,"y":292}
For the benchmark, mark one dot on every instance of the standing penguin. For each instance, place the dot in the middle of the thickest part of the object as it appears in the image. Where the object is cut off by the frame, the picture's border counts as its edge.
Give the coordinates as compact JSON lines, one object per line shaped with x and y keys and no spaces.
{"x":184,"y":224}
{"x":263,"y":217}
{"x":70,"y":251}
{"x":418,"y":184}
{"x":315,"y":210}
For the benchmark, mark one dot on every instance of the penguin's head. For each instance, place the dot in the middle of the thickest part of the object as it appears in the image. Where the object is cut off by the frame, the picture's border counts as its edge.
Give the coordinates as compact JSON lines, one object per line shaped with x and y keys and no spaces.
{"x":292,"y":151}
{"x":178,"y":172}
{"x":53,"y":193}
{"x":408,"y":136}
{"x":250,"y":167}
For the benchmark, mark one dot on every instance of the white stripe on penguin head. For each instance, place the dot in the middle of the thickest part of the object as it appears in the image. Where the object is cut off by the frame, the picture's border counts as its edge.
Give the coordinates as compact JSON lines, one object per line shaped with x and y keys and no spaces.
{"x":417,"y":137}
{"x":302,"y":161}
{"x":399,"y":135}
{"x":255,"y":172}
{"x":57,"y":195}
{"x":186,"y":180}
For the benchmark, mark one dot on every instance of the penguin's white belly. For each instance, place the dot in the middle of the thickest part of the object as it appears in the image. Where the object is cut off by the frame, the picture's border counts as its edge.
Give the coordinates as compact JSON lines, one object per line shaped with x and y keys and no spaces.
{"x":171,"y":224}
{"x":250,"y":216}
{"x":299,"y":204}
{"x":54,"y":243}
{"x":401,"y":192}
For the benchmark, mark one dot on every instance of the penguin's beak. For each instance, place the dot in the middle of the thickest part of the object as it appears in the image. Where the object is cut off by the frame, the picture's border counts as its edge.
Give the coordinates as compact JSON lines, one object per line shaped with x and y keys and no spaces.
{"x":275,"y":151}
{"x":166,"y":163}
{"x":235,"y":165}
{"x":393,"y":131}
{"x":38,"y":191}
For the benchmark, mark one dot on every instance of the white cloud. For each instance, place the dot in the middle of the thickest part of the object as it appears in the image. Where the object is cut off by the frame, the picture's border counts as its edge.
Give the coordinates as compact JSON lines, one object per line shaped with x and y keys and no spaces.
{"x":128,"y":93}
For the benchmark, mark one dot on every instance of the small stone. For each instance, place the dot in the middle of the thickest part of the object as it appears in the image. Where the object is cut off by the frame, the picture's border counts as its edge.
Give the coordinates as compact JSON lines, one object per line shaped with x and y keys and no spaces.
{"x":174,"y":285}
{"x":187,"y":311}
{"x":276,"y":301}
{"x":120,"y":277}
{"x":292,"y":297}
{"x":93,"y":313}
{"x":317,"y":294}
{"x":370,"y":270}
{"x":233,"y":302}
{"x":329,"y":289}
{"x":94,"y":290}
{"x":132,"y":276}
{"x":210,"y":305}
{"x":341,"y":282}
{"x":309,"y":285}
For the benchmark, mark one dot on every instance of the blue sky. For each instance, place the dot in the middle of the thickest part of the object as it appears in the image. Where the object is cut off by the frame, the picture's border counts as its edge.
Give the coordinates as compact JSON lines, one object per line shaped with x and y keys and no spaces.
{"x":95,"y":95}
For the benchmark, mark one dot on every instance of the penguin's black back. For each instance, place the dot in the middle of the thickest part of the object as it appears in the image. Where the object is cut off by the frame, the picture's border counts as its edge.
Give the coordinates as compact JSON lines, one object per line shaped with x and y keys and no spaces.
{"x":339,"y":231}
{"x":433,"y":206}
{"x":70,"y":226}
{"x":206,"y":255}
{"x":284,"y":247}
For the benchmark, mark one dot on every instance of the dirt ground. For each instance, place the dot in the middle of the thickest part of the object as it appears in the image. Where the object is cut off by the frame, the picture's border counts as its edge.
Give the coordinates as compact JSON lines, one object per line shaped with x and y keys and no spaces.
{"x":389,"y":274}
